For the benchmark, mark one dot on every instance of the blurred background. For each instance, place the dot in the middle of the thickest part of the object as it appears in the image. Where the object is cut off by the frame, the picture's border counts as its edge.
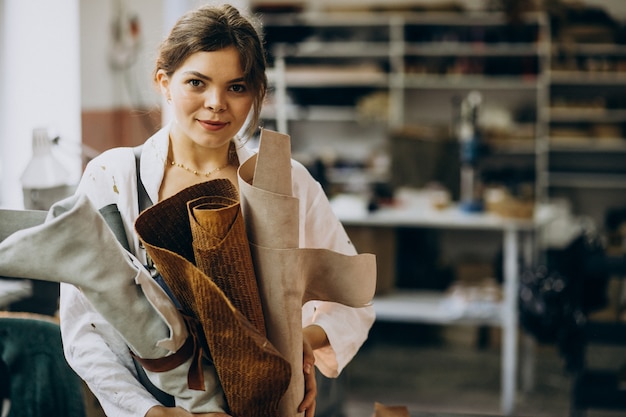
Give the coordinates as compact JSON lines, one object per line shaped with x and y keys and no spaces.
{"x":435,"y":127}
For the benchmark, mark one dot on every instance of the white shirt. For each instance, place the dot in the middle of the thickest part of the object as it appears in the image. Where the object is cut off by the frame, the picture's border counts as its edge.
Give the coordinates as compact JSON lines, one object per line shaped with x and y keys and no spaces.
{"x":96,"y":351}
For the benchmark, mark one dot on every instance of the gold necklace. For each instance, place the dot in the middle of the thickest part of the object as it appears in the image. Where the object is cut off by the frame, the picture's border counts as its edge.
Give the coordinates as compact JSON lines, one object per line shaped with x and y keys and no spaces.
{"x":196,"y":172}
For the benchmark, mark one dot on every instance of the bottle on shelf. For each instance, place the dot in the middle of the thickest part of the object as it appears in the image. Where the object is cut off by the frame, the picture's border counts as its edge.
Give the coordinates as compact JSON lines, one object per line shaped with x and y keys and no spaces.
{"x":470,"y":144}
{"x":45,"y":180}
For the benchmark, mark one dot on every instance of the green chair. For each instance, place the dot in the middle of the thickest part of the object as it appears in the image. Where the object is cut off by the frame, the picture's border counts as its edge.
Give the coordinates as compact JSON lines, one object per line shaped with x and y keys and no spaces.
{"x":36,"y":379}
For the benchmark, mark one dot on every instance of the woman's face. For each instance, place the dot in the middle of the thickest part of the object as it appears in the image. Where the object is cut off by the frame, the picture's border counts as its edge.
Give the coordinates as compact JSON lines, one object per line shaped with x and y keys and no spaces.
{"x":209,"y":97}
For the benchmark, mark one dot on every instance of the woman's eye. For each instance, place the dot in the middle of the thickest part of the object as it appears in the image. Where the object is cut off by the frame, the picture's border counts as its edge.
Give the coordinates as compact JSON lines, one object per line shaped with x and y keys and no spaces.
{"x":195,"y":83}
{"x":238,"y":88}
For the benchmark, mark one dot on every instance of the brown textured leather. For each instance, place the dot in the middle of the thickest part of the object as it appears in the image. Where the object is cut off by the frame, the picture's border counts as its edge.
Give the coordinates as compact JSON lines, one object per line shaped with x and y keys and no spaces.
{"x":214,"y":222}
{"x":254,"y":375}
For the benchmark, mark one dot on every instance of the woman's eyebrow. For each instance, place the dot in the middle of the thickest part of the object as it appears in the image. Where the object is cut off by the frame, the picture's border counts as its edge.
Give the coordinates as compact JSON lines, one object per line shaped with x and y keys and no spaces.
{"x":204,"y":77}
{"x":197,"y":75}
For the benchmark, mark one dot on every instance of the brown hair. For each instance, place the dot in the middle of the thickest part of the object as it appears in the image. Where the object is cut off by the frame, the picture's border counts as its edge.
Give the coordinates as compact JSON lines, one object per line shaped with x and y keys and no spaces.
{"x":211,"y":28}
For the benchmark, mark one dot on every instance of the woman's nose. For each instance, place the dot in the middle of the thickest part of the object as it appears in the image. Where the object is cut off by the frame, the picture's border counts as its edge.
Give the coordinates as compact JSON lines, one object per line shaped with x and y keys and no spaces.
{"x":214,"y":101}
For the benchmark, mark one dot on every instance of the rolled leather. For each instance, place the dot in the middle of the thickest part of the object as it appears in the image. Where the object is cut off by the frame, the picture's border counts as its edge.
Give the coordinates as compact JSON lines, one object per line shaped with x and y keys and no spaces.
{"x":289,"y":276}
{"x":198,"y":243}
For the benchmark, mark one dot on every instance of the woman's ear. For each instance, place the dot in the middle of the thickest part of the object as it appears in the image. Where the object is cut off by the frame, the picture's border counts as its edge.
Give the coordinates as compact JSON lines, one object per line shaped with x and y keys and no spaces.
{"x":163,"y":80}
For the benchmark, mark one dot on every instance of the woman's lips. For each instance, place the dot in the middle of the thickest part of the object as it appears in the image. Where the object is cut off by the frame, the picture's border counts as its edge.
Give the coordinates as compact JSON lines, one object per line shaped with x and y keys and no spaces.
{"x":212,"y":125}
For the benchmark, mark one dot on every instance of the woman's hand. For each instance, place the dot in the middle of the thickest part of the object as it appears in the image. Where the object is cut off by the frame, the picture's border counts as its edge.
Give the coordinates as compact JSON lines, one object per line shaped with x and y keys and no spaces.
{"x":161,"y":411}
{"x":310,"y":385}
{"x":313,"y":337}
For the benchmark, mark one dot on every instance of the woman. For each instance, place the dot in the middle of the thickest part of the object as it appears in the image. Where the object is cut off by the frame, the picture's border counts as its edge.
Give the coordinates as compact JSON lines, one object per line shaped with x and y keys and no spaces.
{"x":211,"y":70}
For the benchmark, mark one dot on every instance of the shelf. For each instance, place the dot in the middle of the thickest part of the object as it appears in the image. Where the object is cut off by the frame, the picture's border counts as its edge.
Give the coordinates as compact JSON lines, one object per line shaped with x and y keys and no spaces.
{"x":384,"y":19}
{"x":324,"y":20}
{"x":586,"y":180}
{"x":343,"y":78}
{"x":435,"y":307}
{"x":587,"y":145}
{"x":587,"y":78}
{"x":469,"y":82}
{"x":468,"y":19}
{"x":325,"y":77}
{"x":438,"y":49}
{"x":314,"y":113}
{"x":590,"y":49}
{"x":355,"y":176}
{"x":587,"y":115}
{"x":371,"y":76}
{"x":512,"y":146}
{"x":338,"y":49}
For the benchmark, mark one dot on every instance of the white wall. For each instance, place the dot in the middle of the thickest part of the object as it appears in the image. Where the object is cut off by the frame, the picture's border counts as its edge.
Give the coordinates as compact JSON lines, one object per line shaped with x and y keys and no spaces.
{"x":39,"y":84}
{"x":104,"y":87}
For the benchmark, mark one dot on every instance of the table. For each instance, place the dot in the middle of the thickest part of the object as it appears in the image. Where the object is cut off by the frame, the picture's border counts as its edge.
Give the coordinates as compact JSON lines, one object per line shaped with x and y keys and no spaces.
{"x":415,"y":209}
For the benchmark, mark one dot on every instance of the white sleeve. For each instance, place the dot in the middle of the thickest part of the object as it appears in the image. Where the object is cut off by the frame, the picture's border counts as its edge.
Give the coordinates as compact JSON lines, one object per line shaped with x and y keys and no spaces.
{"x":100,"y":357}
{"x":93,"y":348}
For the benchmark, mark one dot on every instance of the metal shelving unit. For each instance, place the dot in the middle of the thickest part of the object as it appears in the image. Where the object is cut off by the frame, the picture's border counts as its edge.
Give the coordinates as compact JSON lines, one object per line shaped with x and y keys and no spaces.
{"x":333,"y":61}
{"x":587,"y":121}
